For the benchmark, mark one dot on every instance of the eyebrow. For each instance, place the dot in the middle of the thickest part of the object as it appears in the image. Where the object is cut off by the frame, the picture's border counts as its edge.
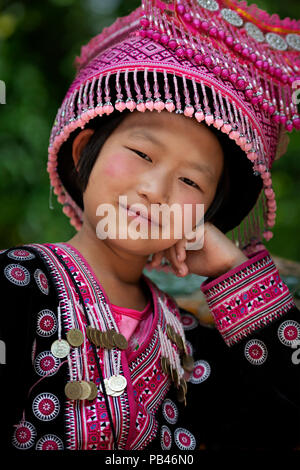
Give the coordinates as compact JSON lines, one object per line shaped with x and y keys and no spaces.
{"x":143,"y":134}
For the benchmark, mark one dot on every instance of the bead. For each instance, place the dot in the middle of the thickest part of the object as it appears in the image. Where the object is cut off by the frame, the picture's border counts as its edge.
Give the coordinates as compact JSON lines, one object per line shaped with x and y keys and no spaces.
{"x":179,"y":52}
{"x":271,"y":109}
{"x":221,"y":34}
{"x":224,"y":73}
{"x":237,"y":47}
{"x":229,"y":40}
{"x":249,"y":94}
{"x":198,"y":58}
{"x":189,"y":53}
{"x":164,"y":39}
{"x":149,"y":33}
{"x":233,"y":77}
{"x":144,"y":22}
{"x":156,"y":36}
{"x":187,"y":17}
{"x":207,"y":61}
{"x":205,"y":25}
{"x":241,"y":84}
{"x":172,"y":44}
{"x":196,"y":23}
{"x":180,"y":9}
{"x":217,"y":70}
{"x":213,"y":32}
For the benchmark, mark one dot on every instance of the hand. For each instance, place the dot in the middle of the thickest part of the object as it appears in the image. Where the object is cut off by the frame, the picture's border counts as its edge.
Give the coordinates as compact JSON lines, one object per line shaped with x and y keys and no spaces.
{"x":217,"y":255}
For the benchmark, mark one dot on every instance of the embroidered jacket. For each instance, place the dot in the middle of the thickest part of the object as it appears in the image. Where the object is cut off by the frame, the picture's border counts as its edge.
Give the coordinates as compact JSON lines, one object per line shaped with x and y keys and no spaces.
{"x":244,"y":391}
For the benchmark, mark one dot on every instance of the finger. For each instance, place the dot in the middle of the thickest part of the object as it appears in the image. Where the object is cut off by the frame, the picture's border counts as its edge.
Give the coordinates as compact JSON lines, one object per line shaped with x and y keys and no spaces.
{"x":180,"y":250}
{"x":179,"y":266}
{"x":157,"y":258}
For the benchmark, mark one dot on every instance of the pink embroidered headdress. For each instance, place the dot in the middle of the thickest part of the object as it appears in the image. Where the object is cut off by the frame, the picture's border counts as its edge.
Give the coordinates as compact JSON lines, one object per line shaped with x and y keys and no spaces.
{"x":222,"y":62}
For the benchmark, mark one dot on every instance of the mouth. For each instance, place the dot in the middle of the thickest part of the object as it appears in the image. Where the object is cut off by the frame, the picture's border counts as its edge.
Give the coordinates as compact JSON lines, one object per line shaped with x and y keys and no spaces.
{"x":138,"y":213}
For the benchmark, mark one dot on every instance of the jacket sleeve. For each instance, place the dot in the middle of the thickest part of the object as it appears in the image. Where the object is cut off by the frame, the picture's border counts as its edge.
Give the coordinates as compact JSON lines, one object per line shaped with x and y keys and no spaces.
{"x":254,"y":396}
{"x":19,"y":292}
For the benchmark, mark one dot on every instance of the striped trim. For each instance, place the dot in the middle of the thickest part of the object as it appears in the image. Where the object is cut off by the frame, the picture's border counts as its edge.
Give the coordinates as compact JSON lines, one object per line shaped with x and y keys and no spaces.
{"x":247,"y":298}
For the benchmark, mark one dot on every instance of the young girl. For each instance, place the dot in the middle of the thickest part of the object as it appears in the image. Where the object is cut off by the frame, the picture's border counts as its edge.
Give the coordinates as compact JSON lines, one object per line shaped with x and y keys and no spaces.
{"x":97,"y":356}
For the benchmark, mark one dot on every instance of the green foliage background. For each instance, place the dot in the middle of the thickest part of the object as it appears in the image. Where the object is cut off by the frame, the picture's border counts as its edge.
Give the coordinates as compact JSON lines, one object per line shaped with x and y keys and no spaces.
{"x":38,"y":44}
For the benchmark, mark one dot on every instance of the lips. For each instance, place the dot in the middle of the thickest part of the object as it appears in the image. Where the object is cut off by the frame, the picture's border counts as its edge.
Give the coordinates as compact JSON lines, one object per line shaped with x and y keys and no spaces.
{"x":140,"y":213}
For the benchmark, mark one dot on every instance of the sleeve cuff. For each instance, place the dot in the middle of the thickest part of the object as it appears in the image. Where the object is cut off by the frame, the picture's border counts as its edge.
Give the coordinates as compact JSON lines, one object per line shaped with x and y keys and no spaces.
{"x":247,"y":298}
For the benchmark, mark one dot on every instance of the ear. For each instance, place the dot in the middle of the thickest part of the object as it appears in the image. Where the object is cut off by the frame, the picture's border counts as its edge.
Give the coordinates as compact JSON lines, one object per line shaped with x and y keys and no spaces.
{"x":79,"y":143}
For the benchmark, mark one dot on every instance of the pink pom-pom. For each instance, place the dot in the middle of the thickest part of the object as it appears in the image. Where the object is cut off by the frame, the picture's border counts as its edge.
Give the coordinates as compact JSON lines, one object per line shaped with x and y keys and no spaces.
{"x":131,"y":105}
{"x":252,"y":156}
{"x":218,"y":123}
{"x":120,"y":106}
{"x":188,"y":111}
{"x":241,"y":141}
{"x":170,"y":106}
{"x":199,"y":115}
{"x":159,"y":105}
{"x":149,"y":104}
{"x":267,"y":181}
{"x":272,"y":216}
{"x":248,"y":147}
{"x":267,"y":235}
{"x":226,"y":128}
{"x":269,"y":192}
{"x":261,"y":168}
{"x":209,"y":119}
{"x":141,"y":107}
{"x":234,"y":135}
{"x":108,"y":108}
{"x":270,"y":223}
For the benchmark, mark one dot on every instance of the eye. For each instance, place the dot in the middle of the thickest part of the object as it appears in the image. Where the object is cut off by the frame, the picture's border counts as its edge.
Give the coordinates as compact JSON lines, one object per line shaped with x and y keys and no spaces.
{"x":196,"y":185}
{"x":141,"y":154}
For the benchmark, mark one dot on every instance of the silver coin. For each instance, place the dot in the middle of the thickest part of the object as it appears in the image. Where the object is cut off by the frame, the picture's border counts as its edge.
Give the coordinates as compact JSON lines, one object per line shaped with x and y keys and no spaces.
{"x":117,"y":383}
{"x":210,"y":5}
{"x":293,"y":41}
{"x":60,"y":348}
{"x":254,"y":32}
{"x":231,"y":17}
{"x":111,"y":392}
{"x":276,"y":41}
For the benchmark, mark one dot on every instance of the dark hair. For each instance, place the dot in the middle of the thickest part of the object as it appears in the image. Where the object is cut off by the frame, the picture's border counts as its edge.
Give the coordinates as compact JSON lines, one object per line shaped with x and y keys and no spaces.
{"x":232,"y":189}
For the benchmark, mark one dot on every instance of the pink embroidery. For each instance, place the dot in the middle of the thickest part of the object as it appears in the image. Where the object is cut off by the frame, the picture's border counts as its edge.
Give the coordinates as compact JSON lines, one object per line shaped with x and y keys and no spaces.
{"x":248,"y":297}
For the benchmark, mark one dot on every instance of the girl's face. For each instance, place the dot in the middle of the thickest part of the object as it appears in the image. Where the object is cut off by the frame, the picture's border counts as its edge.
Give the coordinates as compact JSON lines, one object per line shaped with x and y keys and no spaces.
{"x":154,"y":158}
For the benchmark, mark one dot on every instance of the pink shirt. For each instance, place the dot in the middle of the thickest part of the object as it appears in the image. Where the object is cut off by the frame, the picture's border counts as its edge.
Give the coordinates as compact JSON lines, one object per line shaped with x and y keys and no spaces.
{"x":133,"y":324}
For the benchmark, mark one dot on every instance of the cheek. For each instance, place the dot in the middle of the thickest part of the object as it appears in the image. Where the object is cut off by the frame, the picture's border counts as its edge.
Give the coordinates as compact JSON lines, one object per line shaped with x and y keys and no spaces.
{"x":118,"y":166}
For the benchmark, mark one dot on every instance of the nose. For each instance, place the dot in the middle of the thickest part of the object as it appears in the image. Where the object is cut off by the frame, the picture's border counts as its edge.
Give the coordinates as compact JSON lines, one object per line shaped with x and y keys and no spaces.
{"x":153,"y":187}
